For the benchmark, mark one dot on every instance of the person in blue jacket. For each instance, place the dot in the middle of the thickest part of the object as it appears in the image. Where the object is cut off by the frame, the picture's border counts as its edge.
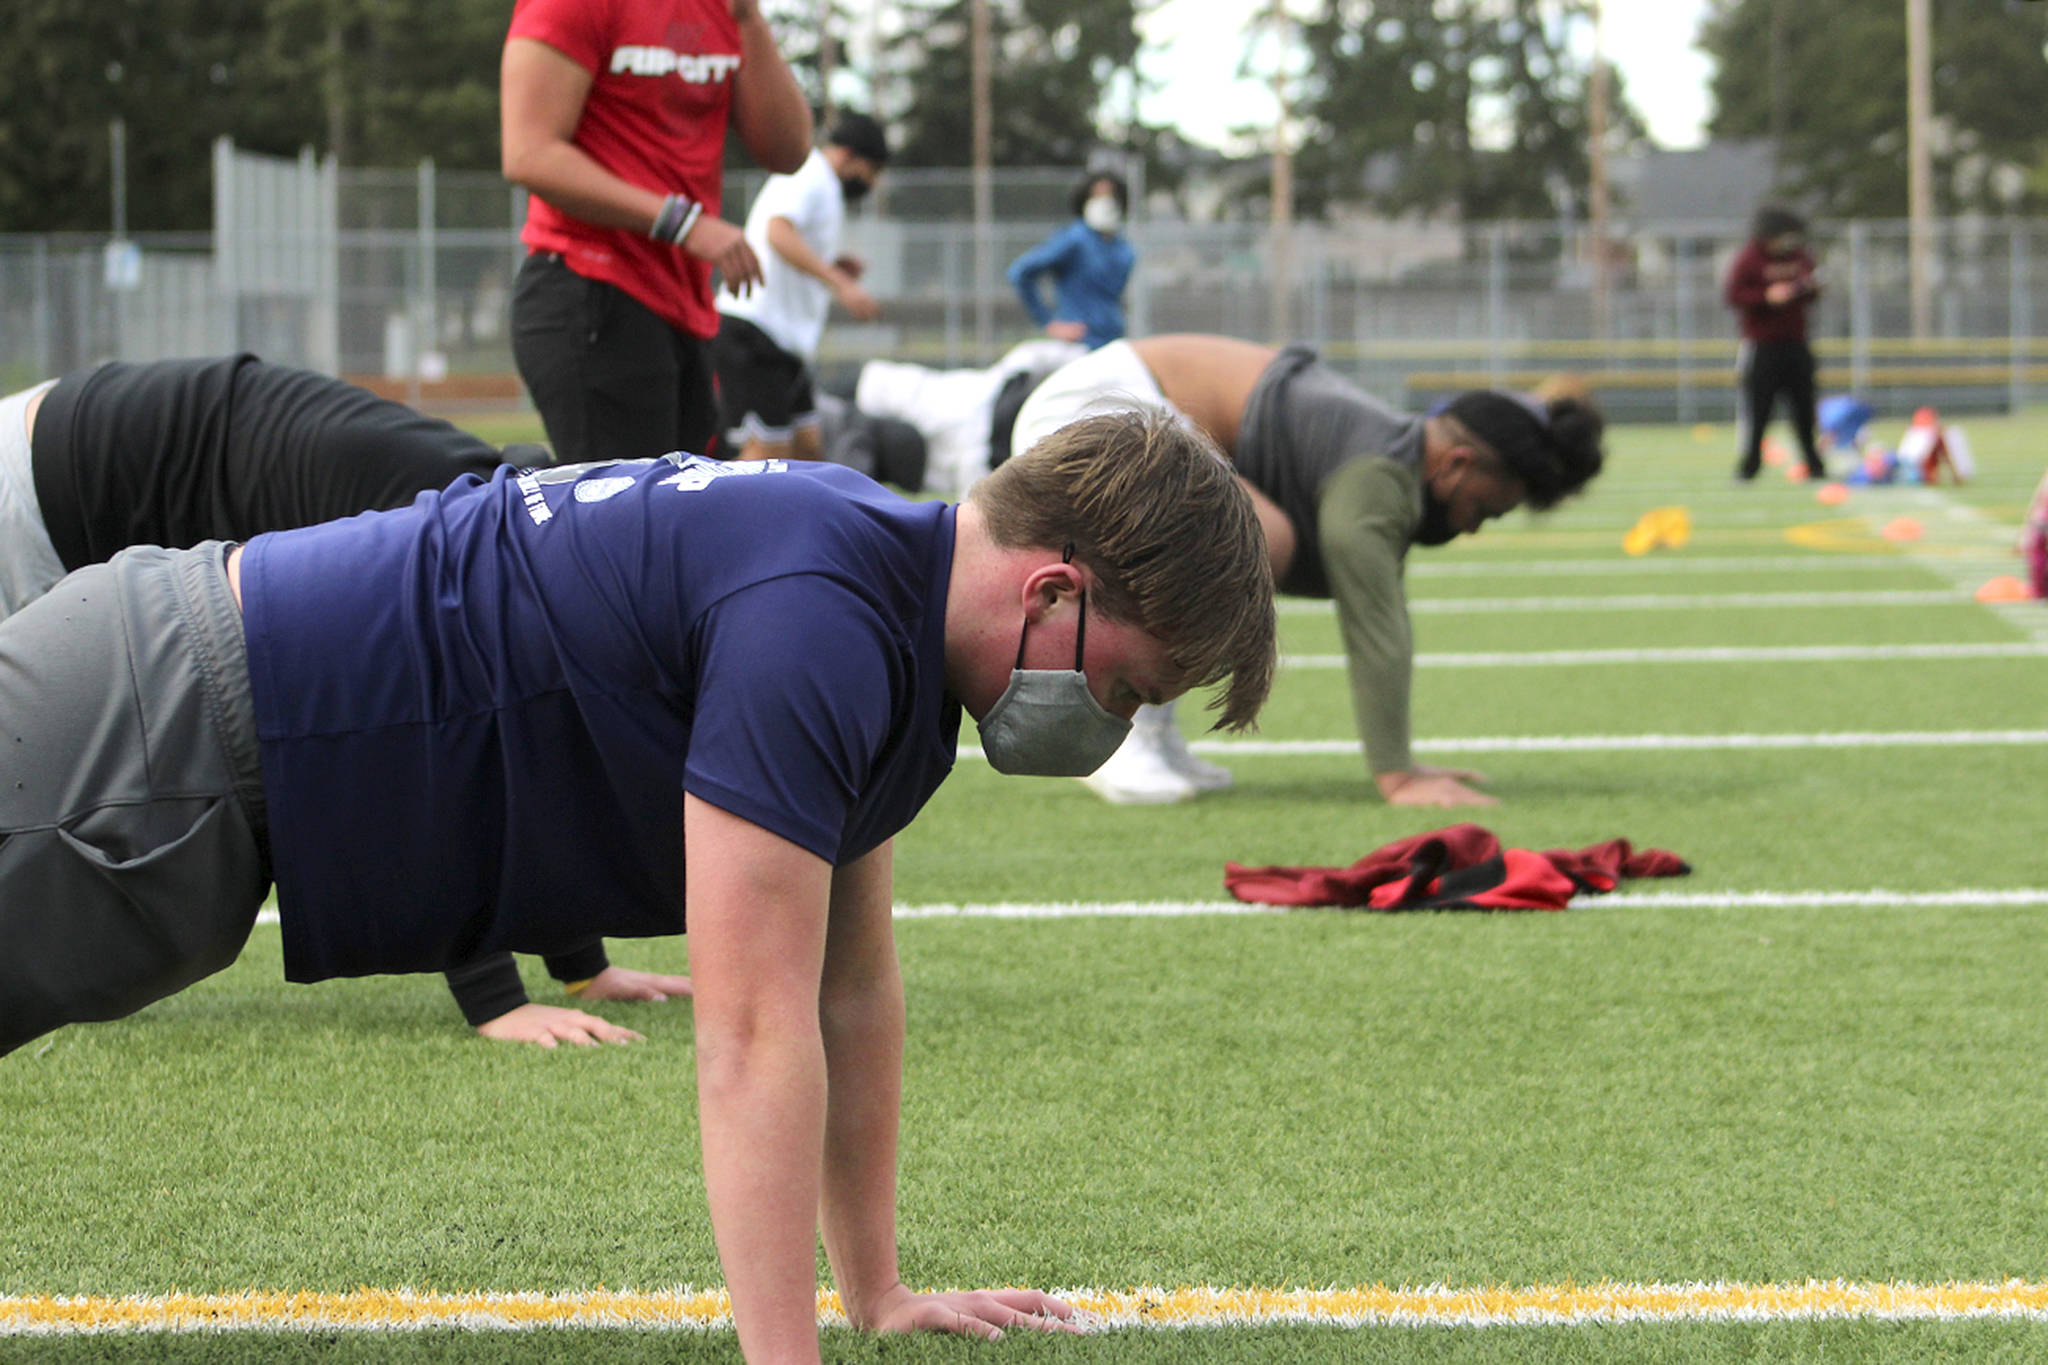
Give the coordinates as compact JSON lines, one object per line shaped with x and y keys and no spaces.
{"x":1089,"y":260}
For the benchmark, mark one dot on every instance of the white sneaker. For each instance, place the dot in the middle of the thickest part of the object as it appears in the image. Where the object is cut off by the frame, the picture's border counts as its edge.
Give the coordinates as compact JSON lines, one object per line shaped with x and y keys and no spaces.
{"x":1173,"y":746}
{"x":1137,"y":774}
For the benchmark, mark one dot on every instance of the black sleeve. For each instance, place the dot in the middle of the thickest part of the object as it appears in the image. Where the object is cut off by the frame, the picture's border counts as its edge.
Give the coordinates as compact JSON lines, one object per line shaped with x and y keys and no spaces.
{"x":487,"y":988}
{"x":578,"y":964}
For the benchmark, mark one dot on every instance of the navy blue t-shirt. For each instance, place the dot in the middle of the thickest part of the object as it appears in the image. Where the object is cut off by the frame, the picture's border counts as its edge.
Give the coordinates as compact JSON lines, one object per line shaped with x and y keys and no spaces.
{"x":479,"y":713}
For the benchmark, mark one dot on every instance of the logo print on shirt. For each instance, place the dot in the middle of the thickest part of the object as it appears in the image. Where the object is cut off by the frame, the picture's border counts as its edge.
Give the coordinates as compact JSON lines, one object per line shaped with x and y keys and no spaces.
{"x":699,"y":473}
{"x":693,"y":68}
{"x":534,"y":483}
{"x":597,"y":490}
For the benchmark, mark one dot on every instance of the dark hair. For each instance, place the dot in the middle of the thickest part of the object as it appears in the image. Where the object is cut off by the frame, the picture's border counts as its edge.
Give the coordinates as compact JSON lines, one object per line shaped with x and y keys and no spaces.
{"x":1775,"y":220}
{"x":862,"y":136}
{"x":1084,"y":191}
{"x":1553,"y":447}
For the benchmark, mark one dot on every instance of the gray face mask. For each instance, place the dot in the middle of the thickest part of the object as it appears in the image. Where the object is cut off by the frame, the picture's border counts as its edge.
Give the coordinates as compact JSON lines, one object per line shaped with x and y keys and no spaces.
{"x":1047,"y":723}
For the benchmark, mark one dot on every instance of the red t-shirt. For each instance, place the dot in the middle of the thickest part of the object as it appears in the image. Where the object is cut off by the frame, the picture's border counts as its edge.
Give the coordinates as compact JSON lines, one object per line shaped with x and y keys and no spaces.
{"x":662,"y":86}
{"x":1754,"y":271}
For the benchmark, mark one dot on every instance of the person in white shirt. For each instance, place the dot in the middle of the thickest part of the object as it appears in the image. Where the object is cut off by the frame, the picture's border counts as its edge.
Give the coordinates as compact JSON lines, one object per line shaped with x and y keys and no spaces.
{"x":768,"y":339}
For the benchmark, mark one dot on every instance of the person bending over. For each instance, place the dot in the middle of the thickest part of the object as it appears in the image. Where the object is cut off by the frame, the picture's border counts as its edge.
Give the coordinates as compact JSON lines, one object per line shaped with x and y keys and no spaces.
{"x":653,"y":697}
{"x":1344,"y":485}
{"x":176,"y":452}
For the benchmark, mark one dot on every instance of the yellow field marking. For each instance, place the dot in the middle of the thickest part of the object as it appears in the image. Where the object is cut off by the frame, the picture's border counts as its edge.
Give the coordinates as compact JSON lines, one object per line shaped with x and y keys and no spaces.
{"x":1105,"y":1309}
{"x":1567,"y":1304}
{"x":1839,"y":535}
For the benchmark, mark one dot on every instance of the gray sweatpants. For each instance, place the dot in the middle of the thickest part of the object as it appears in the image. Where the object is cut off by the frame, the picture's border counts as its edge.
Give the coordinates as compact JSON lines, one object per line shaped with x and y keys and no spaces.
{"x":29,"y":563}
{"x":133,"y":854}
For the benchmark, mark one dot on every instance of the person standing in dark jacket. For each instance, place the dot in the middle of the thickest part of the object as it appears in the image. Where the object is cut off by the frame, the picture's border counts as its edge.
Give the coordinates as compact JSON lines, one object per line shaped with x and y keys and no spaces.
{"x":1771,"y":286}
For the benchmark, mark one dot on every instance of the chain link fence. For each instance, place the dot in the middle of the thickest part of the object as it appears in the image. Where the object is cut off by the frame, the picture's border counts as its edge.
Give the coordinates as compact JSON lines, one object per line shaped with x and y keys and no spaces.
{"x":403,"y":279}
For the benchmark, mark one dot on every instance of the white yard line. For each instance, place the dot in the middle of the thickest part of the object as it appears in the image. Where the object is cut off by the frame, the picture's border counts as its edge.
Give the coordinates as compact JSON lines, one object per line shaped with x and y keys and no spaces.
{"x":1706,"y":601}
{"x":1962,"y":544}
{"x":1703,"y":654}
{"x":1874,"y":897}
{"x":1558,"y":744}
{"x":1514,"y":744}
{"x":1507,"y":570}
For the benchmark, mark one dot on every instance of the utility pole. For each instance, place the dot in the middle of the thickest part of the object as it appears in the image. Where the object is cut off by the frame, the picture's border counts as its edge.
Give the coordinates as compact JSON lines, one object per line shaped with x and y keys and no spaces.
{"x":984,"y":189}
{"x":334,"y":86}
{"x":826,"y":57}
{"x":1280,"y":228}
{"x":1919,"y":165}
{"x":1596,"y":160}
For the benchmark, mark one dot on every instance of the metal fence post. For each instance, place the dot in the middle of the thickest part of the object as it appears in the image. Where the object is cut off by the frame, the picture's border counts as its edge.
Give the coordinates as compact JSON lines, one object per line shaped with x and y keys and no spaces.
{"x":39,"y":259}
{"x":324,"y":345}
{"x":1681,"y":280}
{"x":422,"y":310}
{"x":1859,"y":307}
{"x":950,"y":271}
{"x":227,"y":258}
{"x":1496,"y":306}
{"x":2020,"y":315}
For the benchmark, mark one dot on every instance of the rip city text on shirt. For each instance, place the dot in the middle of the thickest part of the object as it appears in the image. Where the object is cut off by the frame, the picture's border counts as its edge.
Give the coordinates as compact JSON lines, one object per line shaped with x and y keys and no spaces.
{"x":693,"y":68}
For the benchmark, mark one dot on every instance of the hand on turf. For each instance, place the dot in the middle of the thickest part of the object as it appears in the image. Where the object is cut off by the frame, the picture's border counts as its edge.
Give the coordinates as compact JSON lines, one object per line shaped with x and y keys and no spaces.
{"x":713,"y":239}
{"x":623,"y":983}
{"x":981,"y":1313}
{"x":551,"y":1026}
{"x":1429,"y":786}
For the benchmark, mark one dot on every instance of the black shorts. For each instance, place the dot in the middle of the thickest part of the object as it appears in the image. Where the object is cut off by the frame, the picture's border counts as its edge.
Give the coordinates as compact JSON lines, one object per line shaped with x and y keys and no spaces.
{"x":181,"y":451}
{"x":611,"y":378}
{"x":764,"y":392}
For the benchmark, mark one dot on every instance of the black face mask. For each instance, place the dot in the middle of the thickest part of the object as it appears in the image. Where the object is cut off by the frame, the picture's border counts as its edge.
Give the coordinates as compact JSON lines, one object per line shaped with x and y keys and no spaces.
{"x":1435,"y":527}
{"x":855,"y":188}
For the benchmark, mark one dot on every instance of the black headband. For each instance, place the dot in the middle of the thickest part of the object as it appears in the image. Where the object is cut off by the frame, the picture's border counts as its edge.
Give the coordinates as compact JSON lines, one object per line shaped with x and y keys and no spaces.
{"x":1516,"y":428}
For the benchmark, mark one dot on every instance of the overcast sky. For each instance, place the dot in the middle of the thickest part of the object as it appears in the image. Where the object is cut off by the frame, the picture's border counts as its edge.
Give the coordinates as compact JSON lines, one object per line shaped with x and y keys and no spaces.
{"x":1199,"y":45}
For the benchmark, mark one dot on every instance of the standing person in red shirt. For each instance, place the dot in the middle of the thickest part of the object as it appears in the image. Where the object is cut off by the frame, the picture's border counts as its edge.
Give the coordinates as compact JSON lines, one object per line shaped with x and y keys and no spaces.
{"x":1770,"y":287}
{"x":613,"y":114}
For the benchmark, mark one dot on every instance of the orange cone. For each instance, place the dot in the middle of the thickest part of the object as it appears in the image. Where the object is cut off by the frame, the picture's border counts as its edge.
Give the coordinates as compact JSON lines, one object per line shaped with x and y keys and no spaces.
{"x":1902,"y":529}
{"x":1831,"y":494}
{"x":2005,"y":588}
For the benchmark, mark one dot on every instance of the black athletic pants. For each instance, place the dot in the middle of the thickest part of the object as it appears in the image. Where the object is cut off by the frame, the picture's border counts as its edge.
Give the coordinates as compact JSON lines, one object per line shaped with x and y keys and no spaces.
{"x":612,"y":379}
{"x":1770,"y":368}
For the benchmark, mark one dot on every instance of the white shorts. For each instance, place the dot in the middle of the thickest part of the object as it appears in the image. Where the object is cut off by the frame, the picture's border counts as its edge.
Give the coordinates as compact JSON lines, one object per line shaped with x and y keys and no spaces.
{"x":29,"y":566}
{"x":951,"y":409}
{"x":1112,"y":379}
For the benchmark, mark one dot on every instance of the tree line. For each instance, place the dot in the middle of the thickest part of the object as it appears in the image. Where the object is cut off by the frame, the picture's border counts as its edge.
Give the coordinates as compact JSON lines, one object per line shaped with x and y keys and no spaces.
{"x":1474,"y":108}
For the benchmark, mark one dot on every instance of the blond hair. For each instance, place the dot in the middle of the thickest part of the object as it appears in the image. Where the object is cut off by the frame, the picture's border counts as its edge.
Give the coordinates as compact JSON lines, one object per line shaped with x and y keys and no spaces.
{"x":1154,"y":511}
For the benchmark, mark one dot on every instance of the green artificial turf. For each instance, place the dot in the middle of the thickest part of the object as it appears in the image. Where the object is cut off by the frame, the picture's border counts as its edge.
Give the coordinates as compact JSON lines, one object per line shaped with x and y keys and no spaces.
{"x":1308,"y":1099}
